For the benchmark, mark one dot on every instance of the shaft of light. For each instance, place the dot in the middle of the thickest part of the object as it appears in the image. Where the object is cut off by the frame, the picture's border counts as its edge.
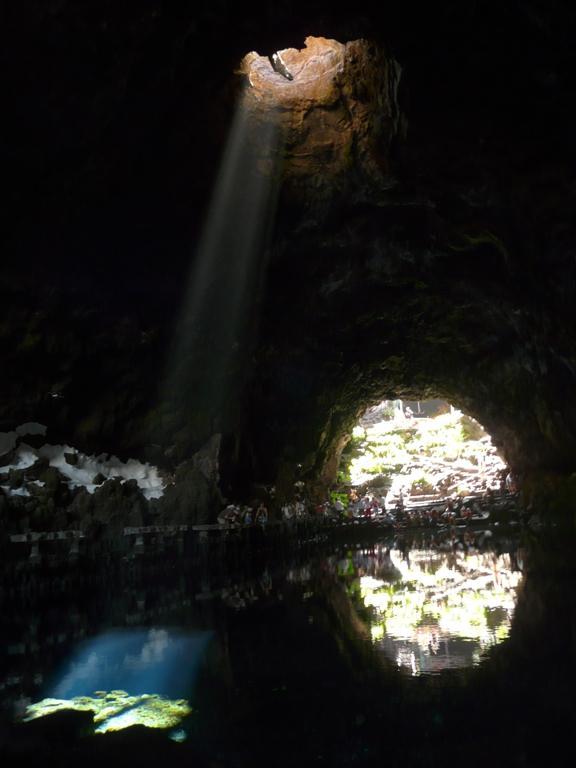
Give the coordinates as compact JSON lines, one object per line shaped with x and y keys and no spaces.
{"x":217,"y":321}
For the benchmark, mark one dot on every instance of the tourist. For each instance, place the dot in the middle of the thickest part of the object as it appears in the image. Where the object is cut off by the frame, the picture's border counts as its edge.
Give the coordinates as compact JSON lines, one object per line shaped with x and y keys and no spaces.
{"x":262,"y":515}
{"x":229,"y":515}
{"x":299,"y":508}
{"x":339,"y":507}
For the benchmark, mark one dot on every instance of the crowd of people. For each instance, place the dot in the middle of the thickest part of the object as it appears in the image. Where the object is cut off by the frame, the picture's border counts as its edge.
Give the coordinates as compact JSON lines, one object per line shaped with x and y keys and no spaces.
{"x":373,"y":507}
{"x":240,"y":515}
{"x":363,"y":508}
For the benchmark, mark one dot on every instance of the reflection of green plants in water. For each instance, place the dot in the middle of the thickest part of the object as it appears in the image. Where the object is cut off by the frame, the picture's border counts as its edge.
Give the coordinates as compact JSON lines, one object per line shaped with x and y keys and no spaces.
{"x":462,"y":614}
{"x":116,"y":710}
{"x":346,"y":568}
{"x":464,"y":600}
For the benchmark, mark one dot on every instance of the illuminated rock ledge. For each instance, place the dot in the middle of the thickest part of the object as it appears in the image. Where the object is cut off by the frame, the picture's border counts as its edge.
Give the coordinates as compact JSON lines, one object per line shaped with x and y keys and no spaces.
{"x":116,"y":710}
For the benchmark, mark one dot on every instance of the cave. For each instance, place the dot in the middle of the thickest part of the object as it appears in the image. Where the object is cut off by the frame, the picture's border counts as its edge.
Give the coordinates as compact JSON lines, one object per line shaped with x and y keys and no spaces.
{"x":420,"y":242}
{"x":232,"y":229}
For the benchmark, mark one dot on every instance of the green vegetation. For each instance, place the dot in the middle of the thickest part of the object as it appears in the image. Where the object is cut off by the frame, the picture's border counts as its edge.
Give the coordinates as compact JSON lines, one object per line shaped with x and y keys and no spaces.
{"x":419,"y":448}
{"x":471,"y":430}
{"x":422,"y":485}
{"x":353,"y":450}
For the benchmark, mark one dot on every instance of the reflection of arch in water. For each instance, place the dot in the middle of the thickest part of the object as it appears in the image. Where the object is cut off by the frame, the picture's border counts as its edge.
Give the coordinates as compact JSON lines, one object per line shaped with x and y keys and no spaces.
{"x":377,"y":563}
{"x":444,"y":617}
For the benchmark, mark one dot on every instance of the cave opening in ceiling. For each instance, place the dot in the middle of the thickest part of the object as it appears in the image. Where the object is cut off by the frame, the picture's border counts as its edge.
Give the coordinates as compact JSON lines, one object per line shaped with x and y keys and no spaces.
{"x":291,"y":74}
{"x":305,"y":130}
{"x":411,"y":454}
{"x":336,"y":106}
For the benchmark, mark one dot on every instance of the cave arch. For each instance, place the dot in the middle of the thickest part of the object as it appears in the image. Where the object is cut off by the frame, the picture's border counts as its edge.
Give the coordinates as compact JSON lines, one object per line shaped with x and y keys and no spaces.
{"x":456,"y":279}
{"x":407,"y":450}
{"x":384,"y":307}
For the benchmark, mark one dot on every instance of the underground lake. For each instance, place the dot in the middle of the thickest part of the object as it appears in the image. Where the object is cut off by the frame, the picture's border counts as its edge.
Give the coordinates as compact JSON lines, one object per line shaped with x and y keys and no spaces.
{"x":287,"y":383}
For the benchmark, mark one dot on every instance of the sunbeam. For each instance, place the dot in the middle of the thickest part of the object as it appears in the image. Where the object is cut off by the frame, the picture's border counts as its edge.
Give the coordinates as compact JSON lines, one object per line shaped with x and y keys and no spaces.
{"x":211,"y":342}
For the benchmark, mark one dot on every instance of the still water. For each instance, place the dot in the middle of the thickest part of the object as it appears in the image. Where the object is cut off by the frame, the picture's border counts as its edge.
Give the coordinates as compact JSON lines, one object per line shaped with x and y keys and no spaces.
{"x":406,"y":651}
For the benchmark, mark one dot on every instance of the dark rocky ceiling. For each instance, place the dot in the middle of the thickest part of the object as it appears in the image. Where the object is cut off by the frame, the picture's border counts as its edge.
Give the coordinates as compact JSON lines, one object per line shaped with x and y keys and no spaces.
{"x":455,"y":278}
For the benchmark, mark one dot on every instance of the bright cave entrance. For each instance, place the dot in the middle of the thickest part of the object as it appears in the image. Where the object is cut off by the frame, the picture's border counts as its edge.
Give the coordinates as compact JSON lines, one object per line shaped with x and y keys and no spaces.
{"x":423,"y":461}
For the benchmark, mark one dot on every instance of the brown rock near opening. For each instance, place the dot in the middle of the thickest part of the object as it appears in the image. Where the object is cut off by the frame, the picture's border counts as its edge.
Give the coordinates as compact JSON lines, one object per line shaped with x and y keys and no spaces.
{"x":336,"y":117}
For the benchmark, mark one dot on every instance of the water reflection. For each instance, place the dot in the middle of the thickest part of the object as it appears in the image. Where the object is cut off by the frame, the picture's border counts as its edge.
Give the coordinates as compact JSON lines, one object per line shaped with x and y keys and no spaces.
{"x":128,"y":677}
{"x":313,"y":654}
{"x":432,"y":610}
{"x":116,"y":710}
{"x":155,"y":660}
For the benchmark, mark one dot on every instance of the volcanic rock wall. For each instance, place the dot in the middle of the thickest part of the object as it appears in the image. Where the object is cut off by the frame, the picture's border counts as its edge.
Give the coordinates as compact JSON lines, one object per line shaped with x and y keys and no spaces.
{"x":424,"y":244}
